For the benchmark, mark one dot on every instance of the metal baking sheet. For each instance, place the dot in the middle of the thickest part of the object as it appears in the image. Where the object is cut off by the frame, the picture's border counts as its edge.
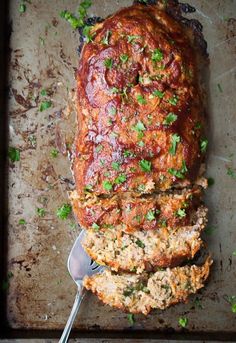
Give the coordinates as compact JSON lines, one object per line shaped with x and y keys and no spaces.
{"x":40,"y":293}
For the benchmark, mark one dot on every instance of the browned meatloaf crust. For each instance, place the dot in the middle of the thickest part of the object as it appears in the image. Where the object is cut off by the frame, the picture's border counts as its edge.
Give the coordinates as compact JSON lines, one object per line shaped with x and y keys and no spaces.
{"x":141,"y":293}
{"x":140,"y":109}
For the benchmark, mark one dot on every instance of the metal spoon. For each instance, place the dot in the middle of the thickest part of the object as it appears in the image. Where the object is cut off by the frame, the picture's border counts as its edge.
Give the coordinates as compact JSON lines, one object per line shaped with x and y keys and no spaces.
{"x":79,"y":264}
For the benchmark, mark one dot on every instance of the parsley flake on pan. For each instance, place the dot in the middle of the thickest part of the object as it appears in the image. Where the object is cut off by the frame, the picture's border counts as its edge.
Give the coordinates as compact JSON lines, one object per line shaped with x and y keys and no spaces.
{"x":64,"y":211}
{"x":14,"y":154}
{"x":183,"y":322}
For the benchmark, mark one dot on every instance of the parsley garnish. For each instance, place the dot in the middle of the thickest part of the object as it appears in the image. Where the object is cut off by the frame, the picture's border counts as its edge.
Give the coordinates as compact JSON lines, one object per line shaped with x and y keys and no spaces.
{"x":157,"y":55}
{"x":141,"y":100}
{"x":128,"y":153}
{"x":141,"y":144}
{"x":130,"y":317}
{"x":115,"y":90}
{"x":183,"y":321}
{"x":181,"y":213}
{"x":112,"y":111}
{"x":41,"y":212}
{"x":14,"y":154}
{"x":22,"y":222}
{"x":22,"y":8}
{"x":198,"y":125}
{"x":124,"y":58}
{"x":115,"y":165}
{"x":175,"y":139}
{"x":203,"y":145}
{"x":45,"y":105}
{"x":145,"y":165}
{"x":120,"y":179}
{"x":170,"y":118}
{"x":99,"y":148}
{"x":132,"y":38}
{"x":64,"y":211}
{"x":72,"y":20}
{"x":108,"y":63}
{"x":87,"y":33}
{"x":220,"y":88}
{"x":173,"y":101}
{"x":179,"y":173}
{"x":150,"y":215}
{"x":210,"y":181}
{"x":105,"y":40}
{"x":139,"y":127}
{"x":140,"y":244}
{"x":231,"y":173}
{"x":43,"y":92}
{"x":107,"y":185}
{"x":88,"y":188}
{"x":158,"y":94}
{"x":95,"y":226}
{"x":54,"y":153}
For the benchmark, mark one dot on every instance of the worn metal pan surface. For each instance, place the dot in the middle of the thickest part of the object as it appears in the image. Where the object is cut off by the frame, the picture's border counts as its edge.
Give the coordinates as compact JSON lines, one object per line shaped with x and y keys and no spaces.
{"x":38,"y":291}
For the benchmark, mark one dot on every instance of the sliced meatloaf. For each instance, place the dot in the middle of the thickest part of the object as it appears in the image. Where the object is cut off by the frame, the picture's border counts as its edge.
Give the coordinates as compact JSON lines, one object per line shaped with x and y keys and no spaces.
{"x":145,"y":250}
{"x":173,"y":209}
{"x":144,"y":292}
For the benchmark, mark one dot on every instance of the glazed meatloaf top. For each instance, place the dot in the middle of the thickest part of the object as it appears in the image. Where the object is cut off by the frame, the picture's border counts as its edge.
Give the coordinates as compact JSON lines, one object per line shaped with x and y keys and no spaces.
{"x":140,"y":109}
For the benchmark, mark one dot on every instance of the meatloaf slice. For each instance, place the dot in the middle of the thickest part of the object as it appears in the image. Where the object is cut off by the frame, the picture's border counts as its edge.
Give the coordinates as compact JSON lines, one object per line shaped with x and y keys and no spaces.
{"x":173,"y":209}
{"x":145,"y":250}
{"x":140,"y":107}
{"x":142,"y":293}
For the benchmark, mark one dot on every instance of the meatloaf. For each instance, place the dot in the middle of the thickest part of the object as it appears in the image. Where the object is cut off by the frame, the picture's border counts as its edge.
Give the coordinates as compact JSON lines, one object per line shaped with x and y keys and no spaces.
{"x":141,"y":293}
{"x":139,"y":156}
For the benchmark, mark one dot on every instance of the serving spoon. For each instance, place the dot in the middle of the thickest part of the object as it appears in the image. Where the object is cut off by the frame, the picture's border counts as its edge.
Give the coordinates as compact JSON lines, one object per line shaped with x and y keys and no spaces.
{"x":79,"y":265}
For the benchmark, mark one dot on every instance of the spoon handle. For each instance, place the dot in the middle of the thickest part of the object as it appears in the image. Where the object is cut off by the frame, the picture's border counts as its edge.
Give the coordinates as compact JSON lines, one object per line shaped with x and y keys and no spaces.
{"x":78,"y":298}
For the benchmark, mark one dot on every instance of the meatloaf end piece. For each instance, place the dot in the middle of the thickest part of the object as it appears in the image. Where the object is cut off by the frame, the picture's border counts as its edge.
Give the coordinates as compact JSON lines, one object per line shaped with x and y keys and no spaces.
{"x":144,"y":292}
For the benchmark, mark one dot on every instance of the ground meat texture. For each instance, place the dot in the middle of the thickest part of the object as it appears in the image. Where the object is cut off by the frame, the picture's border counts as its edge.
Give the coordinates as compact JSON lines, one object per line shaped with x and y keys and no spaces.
{"x":140,"y":109}
{"x":145,"y":250}
{"x":138,"y":213}
{"x":142,"y":293}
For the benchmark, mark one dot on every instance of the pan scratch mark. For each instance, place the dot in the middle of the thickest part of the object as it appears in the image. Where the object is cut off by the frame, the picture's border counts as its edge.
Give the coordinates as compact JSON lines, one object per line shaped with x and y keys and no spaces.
{"x":221,"y":158}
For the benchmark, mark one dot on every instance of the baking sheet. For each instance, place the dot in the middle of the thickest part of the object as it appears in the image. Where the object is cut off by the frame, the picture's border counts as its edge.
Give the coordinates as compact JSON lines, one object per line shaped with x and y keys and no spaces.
{"x":44,"y":56}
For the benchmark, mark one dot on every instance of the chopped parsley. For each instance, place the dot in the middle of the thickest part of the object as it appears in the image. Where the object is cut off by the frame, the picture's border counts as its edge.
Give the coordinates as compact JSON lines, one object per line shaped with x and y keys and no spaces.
{"x":45,"y":105}
{"x":6,"y":283}
{"x":105,"y":40}
{"x":157,"y":55}
{"x":14,"y":154}
{"x":141,"y":144}
{"x":130,"y":317}
{"x":115,"y":90}
{"x":210,"y":230}
{"x":112,"y":111}
{"x":170,"y":118}
{"x":158,"y":94}
{"x":220,"y":88}
{"x":175,"y":139}
{"x":124,"y":58}
{"x":210,"y":181}
{"x":139,"y":127}
{"x":203,"y":145}
{"x":128,"y":153}
{"x":88,"y":188}
{"x":120,"y":179}
{"x":41,"y":212}
{"x":198,"y":125}
{"x":54,"y":153}
{"x":72,"y":20}
{"x":95,"y":226}
{"x":141,"y":100}
{"x":232,"y":301}
{"x":43,"y":92}
{"x":150,"y":215}
{"x":22,"y":8}
{"x":99,"y":148}
{"x":115,"y":165}
{"x":22,"y":222}
{"x":87,"y":33}
{"x":145,"y":165}
{"x":64,"y":211}
{"x":181,"y":213}
{"x":140,"y":244}
{"x":108,"y":63}
{"x":231,"y":172}
{"x":173,"y":101}
{"x":179,"y":173}
{"x":234,"y":253}
{"x":107,"y":185}
{"x":131,"y":39}
{"x":183,"y":322}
